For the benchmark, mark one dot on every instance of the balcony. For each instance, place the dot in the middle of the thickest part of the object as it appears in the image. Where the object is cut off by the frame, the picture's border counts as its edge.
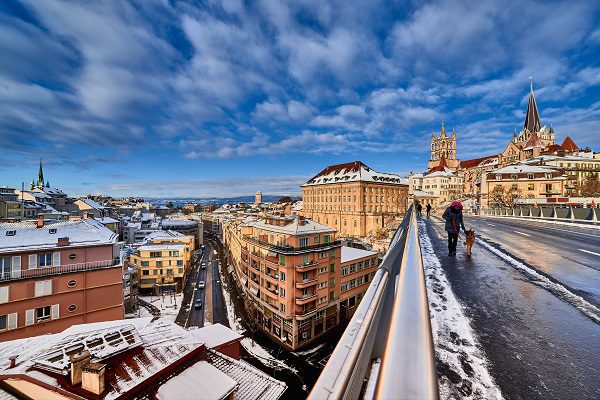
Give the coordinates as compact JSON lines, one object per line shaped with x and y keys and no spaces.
{"x":307,"y":298}
{"x":308,"y":266}
{"x":59,"y":269}
{"x":306,"y":312}
{"x":291,"y":249}
{"x":306,"y":283}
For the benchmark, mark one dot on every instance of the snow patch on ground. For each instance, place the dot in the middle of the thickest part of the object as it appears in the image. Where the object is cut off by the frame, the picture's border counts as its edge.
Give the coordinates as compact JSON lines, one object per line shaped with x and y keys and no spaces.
{"x":168,"y":305}
{"x":141,"y":313}
{"x":461,"y":362}
{"x":309,"y":351}
{"x":579,"y":302}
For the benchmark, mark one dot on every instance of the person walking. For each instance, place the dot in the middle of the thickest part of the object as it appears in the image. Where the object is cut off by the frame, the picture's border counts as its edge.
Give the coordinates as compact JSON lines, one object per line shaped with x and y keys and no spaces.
{"x":419,"y":209}
{"x":454,"y":222}
{"x":428,"y":209}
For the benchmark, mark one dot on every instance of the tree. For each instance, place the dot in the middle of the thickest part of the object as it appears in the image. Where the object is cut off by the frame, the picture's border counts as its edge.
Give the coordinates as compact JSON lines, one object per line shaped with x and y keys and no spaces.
{"x":591,"y":186}
{"x":500,"y":197}
{"x":170,"y":204}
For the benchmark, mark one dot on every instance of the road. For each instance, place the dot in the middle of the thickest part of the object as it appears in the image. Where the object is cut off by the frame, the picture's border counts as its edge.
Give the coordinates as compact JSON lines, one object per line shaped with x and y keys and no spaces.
{"x":539,"y":344}
{"x":196,"y":316}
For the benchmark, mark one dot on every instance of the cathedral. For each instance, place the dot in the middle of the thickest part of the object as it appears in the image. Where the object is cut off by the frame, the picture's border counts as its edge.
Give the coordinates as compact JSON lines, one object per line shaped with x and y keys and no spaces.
{"x":40,"y":181}
{"x":443,"y":150}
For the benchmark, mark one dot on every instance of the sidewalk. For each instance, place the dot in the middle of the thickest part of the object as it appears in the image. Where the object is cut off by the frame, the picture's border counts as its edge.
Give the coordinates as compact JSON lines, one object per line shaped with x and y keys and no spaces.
{"x":208,"y":298}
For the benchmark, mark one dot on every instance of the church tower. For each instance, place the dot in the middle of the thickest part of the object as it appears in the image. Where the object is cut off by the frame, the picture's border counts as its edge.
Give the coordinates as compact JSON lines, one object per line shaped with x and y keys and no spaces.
{"x":443,"y":147}
{"x":533,"y":124}
{"x":40,"y":181}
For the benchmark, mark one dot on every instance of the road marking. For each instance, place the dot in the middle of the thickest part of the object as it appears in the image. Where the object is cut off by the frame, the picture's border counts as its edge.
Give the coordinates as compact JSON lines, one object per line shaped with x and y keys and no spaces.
{"x":491,"y":225}
{"x":541,"y":225}
{"x":591,"y":252}
{"x":521,"y":233}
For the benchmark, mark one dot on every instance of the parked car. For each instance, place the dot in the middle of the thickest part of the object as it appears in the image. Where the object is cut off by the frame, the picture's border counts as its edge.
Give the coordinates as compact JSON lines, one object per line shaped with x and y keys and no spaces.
{"x":201,"y":285}
{"x":198,"y":304}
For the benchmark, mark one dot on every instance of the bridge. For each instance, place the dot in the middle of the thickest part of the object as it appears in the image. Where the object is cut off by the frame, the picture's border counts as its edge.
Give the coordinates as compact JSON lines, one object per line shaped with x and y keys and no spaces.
{"x":511,"y":321}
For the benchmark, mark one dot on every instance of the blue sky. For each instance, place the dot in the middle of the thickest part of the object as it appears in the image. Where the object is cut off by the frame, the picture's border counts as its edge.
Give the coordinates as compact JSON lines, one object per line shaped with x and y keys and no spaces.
{"x":164,"y":98}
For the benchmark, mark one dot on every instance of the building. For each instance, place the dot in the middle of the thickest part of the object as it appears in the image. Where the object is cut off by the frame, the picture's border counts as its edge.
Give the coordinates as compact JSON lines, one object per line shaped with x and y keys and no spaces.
{"x":357,"y":270}
{"x":577,"y":168}
{"x":524,"y":181}
{"x":11,"y":208}
{"x":258,"y":198}
{"x":90,"y":206}
{"x":133,"y":359}
{"x":54,"y":274}
{"x":192,"y":207}
{"x":290,"y":269}
{"x":443,"y":147}
{"x":354,"y":199}
{"x":474,"y":173}
{"x":438,"y":185}
{"x":164,"y":259}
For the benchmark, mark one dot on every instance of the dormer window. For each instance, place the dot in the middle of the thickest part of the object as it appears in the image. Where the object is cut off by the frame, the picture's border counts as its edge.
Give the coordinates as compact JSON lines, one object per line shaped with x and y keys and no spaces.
{"x":11,"y":233}
{"x":52,"y":231}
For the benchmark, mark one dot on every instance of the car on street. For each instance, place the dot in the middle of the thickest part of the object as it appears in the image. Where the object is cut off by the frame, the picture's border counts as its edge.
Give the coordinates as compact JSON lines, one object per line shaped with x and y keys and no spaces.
{"x":201,"y":285}
{"x":198,"y":304}
{"x":203,"y":265}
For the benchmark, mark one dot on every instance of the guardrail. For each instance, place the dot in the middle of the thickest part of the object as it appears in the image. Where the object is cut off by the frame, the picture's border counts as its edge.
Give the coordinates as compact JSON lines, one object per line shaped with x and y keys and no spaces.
{"x":291,"y":249}
{"x":391,"y":325}
{"x":57,"y":270}
{"x":573,"y":214}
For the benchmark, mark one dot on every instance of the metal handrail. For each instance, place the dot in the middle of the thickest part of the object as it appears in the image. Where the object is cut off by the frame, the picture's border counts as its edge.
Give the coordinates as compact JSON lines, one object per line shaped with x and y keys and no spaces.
{"x":378,"y":321}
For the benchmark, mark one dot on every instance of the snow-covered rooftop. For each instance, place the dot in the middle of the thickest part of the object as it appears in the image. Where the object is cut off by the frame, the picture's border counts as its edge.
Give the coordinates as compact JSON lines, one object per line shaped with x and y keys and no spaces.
{"x":522,"y":168}
{"x":295,"y":227}
{"x":214,"y":385}
{"x":354,"y":172}
{"x":215,"y":335}
{"x":351,"y":254}
{"x":153,"y":247}
{"x":27,"y":236}
{"x":93,"y":204}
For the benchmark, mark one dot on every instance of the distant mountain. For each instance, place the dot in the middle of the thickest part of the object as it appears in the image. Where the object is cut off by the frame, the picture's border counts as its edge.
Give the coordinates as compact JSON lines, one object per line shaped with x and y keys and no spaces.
{"x":180,"y":201}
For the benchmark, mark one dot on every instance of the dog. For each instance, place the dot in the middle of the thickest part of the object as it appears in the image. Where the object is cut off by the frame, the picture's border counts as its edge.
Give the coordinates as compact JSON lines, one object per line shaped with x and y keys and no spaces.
{"x":469,"y":240}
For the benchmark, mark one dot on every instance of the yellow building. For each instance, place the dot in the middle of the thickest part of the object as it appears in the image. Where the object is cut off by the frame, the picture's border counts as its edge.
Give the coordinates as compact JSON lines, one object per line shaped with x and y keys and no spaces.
{"x":164,"y":259}
{"x":504,"y":185}
{"x":354,"y":199}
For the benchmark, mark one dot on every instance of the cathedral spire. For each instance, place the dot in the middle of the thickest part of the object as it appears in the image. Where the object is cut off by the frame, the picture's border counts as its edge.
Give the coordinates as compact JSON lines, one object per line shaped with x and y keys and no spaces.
{"x":532,"y":116}
{"x":40,"y":181}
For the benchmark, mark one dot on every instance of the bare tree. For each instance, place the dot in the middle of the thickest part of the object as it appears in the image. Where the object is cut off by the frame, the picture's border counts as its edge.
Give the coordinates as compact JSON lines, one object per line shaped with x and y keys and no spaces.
{"x":590,"y":187}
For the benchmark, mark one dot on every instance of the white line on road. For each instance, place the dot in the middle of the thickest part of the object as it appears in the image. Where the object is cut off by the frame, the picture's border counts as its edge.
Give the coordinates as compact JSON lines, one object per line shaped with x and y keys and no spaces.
{"x":521,"y":233}
{"x":491,"y":225}
{"x":591,"y":252}
{"x":540,"y":224}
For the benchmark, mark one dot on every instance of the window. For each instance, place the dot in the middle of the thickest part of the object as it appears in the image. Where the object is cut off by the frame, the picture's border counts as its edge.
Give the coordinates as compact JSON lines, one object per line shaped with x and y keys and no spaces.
{"x":42,"y":314}
{"x":282,"y":292}
{"x":72,"y":283}
{"x":322,"y":270}
{"x":282,"y":276}
{"x":180,"y":270}
{"x":322,"y":285}
{"x":4,"y":266}
{"x":72,"y":256}
{"x":531,"y":186}
{"x":179,"y":262}
{"x":548,"y":187}
{"x":283,"y":308}
{"x":155,"y":254}
{"x":3,"y":322}
{"x":43,"y":288}
{"x":145,"y":272}
{"x":281,"y":259}
{"x":326,"y":239}
{"x":344,"y":271}
{"x":303,"y":242}
{"x":45,"y":260}
{"x":316,"y":238}
{"x":332,"y":268}
{"x":145,"y":263}
{"x":72,"y":308}
{"x":331,"y":296}
{"x":159,"y":264}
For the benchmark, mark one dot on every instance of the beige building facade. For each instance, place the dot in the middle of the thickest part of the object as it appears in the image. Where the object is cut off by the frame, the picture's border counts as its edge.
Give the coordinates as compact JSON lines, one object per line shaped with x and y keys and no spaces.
{"x":354,"y":199}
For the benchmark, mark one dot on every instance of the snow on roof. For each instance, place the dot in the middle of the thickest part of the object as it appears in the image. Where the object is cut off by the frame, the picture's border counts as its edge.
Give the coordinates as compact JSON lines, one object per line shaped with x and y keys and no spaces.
{"x":106,"y":220}
{"x":215,"y":335}
{"x":87,"y":232}
{"x":200,"y":380}
{"x":150,"y":247}
{"x":522,"y":168}
{"x":420,"y":193}
{"x":179,"y":223}
{"x":354,"y":172}
{"x":168,"y":234}
{"x":446,"y":173}
{"x":295,"y":227}
{"x":479,"y":162}
{"x":253,"y":383}
{"x":351,"y":253}
{"x":297,"y":206}
{"x":52,"y":191}
{"x":93,"y":204}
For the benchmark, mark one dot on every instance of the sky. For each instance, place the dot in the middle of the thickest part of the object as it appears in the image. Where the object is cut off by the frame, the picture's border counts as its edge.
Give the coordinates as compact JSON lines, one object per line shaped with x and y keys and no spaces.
{"x":162,"y":98}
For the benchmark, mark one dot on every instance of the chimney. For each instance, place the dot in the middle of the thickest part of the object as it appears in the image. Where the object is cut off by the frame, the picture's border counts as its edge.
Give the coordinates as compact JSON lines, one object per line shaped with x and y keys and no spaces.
{"x":40,"y":221}
{"x":63,"y":241}
{"x":93,"y":378}
{"x":13,"y":361}
{"x":78,"y":360}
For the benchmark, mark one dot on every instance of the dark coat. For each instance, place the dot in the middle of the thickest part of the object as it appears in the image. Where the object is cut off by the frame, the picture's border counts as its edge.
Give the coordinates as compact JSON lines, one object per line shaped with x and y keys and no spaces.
{"x":450,"y":215}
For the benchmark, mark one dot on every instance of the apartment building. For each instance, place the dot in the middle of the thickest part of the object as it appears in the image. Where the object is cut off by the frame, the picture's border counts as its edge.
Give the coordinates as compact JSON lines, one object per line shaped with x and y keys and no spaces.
{"x":354,"y":199}
{"x":526,"y":181}
{"x":576,"y":168}
{"x":11,"y":208}
{"x":54,"y":274}
{"x":290,"y":268}
{"x":164,"y":259}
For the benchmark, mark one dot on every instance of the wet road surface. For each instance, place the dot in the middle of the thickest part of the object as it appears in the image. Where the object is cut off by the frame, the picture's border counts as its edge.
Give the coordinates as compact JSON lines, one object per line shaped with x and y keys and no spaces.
{"x":539,"y":345}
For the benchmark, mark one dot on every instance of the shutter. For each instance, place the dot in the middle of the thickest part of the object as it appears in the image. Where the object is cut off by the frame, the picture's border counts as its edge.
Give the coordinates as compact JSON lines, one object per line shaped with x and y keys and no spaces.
{"x":16,"y":266}
{"x":29,"y":317}
{"x":32,"y":261}
{"x":12,"y":321}
{"x":48,"y":287}
{"x":55,"y":308}
{"x":4,"y":294}
{"x":39,"y":288}
{"x":56,"y":259}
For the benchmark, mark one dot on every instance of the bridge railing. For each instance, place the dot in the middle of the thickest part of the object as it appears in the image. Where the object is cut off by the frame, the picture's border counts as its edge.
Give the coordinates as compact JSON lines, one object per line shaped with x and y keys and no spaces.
{"x":573,"y":214}
{"x":388,"y":342}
